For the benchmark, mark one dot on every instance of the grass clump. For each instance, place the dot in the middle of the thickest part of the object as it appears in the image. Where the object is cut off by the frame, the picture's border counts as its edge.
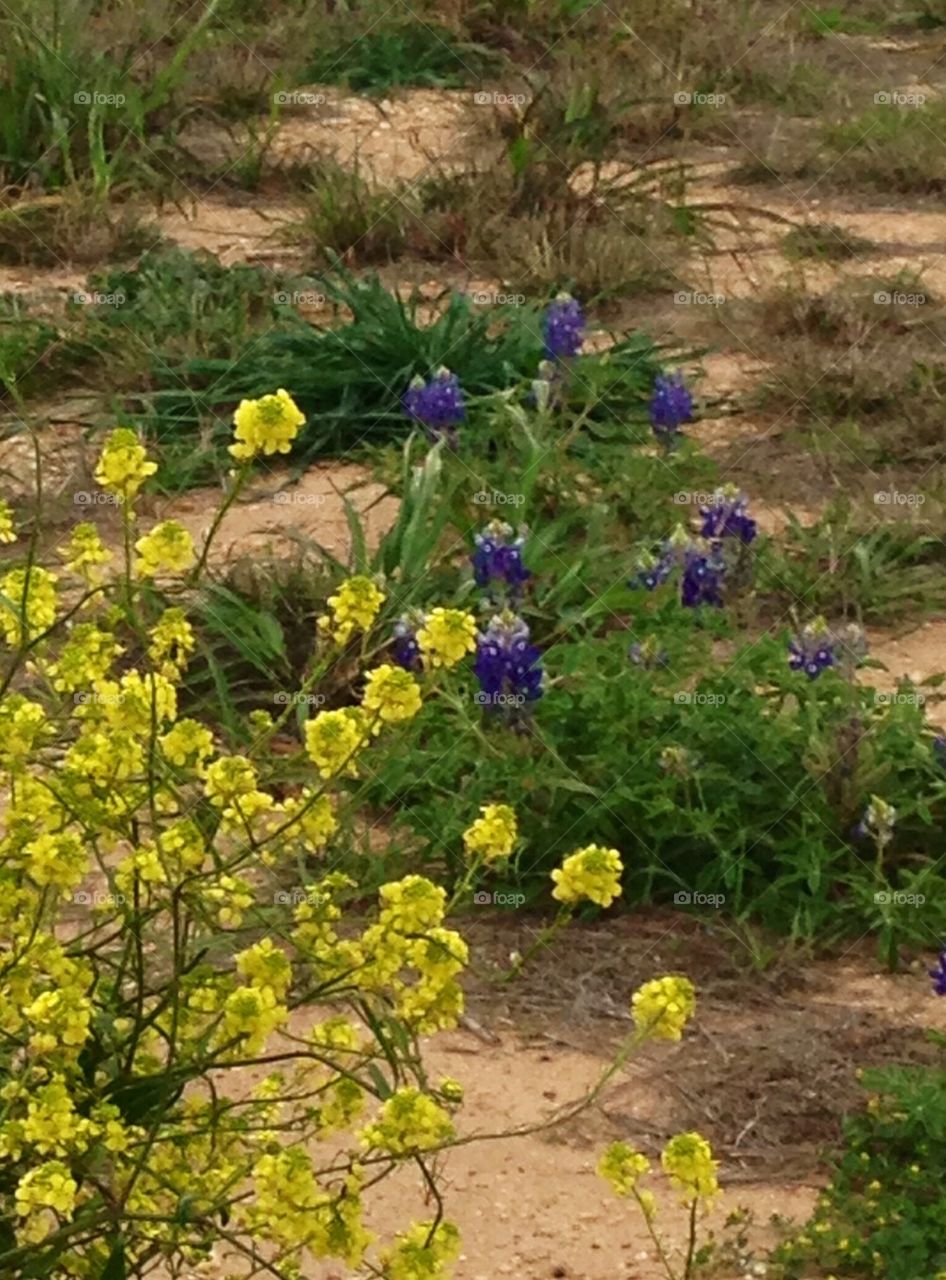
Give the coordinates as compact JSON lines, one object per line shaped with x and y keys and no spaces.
{"x":349,"y":380}
{"x":85,"y":98}
{"x":825,"y":242}
{"x":400,"y":54}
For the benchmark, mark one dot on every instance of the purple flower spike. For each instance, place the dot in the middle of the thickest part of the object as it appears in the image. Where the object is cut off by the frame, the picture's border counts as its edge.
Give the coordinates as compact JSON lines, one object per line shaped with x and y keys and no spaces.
{"x":405,"y":649}
{"x":939,"y":975}
{"x":727,"y":516}
{"x":812,"y":650}
{"x":438,"y":404}
{"x":563,"y":328}
{"x":508,"y":665}
{"x":670,"y":406}
{"x":498,"y":557}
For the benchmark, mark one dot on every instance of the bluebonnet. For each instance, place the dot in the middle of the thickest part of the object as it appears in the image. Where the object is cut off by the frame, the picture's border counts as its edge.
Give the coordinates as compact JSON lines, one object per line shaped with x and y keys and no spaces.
{"x":727,"y":516}
{"x":701,"y":564}
{"x":703,"y":570}
{"x":671,"y":404}
{"x":812,"y":650}
{"x":939,"y":975}
{"x":438,"y":404}
{"x":508,"y":665}
{"x":405,"y":649}
{"x":652,"y":571}
{"x":563,"y":328}
{"x":498,"y":556}
{"x":939,"y":749}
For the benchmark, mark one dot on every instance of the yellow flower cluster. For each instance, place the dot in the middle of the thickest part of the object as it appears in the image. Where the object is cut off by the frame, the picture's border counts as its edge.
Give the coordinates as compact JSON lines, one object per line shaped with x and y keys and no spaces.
{"x":168,"y":548}
{"x":623,"y":1167}
{"x":7,"y":527}
{"x":267,"y":425}
{"x":354,"y":607}
{"x":84,"y":554}
{"x":662,"y":1007}
{"x":27,"y":604}
{"x":391,"y":694}
{"x":333,"y":739}
{"x":409,"y":1121}
{"x":446,"y":637}
{"x":593,"y":873}
{"x":687,"y":1159}
{"x":171,"y":642}
{"x":423,"y":1252}
{"x":123,"y":466}
{"x":493,"y":835}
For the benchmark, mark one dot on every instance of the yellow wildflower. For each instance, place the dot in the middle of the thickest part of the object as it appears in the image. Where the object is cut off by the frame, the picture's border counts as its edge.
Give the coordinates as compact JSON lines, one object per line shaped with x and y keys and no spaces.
{"x":593,"y":873}
{"x":662,"y":1007}
{"x":123,"y":466}
{"x":267,"y":425}
{"x":391,"y":694}
{"x":446,"y":637}
{"x":493,"y":835}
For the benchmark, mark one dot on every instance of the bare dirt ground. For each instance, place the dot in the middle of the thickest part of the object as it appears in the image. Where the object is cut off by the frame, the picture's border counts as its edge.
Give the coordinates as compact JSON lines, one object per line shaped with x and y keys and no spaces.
{"x":765,"y":1071}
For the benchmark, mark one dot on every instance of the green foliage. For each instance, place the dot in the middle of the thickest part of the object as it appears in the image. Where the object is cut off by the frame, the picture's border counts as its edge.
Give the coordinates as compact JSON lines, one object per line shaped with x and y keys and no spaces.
{"x":841,"y":568}
{"x":883,"y":1213}
{"x":399,"y":53}
{"x":75,"y":105}
{"x":758,"y":809}
{"x":349,"y":380}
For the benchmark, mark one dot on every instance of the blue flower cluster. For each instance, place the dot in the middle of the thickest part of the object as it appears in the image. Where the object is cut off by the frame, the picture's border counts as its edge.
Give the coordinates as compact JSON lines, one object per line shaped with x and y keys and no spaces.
{"x":671,"y":404}
{"x":405,"y":650}
{"x":727,"y":516}
{"x":437,"y":404}
{"x":563,"y":328}
{"x":498,"y":557}
{"x":508,"y":665}
{"x":701,"y":564}
{"x":939,"y":975}
{"x":812,"y":650}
